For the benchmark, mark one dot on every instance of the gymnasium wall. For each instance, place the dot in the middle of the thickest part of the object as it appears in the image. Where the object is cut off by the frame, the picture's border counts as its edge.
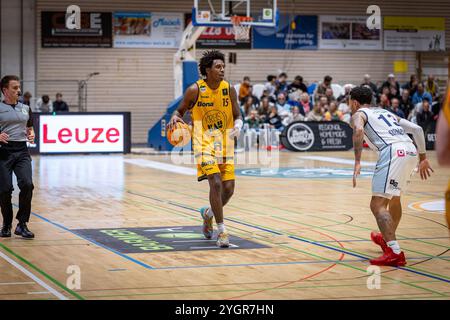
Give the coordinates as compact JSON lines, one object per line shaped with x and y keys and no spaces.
{"x":141,"y":80}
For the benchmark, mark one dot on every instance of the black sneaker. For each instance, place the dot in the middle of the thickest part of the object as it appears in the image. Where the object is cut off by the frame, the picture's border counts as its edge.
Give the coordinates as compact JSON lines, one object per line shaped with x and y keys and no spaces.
{"x":6,"y":231}
{"x":22,"y":230}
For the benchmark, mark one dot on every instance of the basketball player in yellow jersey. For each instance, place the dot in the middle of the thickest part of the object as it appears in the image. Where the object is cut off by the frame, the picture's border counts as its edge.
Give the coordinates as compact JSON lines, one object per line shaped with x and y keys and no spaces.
{"x":443,"y":146}
{"x":217,"y":121}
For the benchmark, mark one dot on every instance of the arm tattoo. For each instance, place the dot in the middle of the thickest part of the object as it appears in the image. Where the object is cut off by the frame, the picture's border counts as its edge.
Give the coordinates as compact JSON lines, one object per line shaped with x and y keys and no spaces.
{"x":358,"y":135}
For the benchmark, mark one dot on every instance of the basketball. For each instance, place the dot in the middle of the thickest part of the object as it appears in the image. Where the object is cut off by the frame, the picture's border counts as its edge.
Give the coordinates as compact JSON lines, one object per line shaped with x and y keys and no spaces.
{"x":180,"y":135}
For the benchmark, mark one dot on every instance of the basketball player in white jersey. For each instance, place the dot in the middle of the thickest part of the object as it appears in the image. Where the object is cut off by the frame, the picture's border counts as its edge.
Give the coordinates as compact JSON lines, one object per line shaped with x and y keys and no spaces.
{"x":387,"y":134}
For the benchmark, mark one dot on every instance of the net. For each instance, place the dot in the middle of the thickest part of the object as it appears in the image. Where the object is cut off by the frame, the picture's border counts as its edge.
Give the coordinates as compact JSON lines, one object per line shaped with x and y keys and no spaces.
{"x":241,"y":31}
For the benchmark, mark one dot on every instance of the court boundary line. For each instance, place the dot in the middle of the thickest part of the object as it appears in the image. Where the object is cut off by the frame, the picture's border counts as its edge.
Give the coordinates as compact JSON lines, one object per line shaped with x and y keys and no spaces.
{"x":295,"y":238}
{"x":28,"y":273}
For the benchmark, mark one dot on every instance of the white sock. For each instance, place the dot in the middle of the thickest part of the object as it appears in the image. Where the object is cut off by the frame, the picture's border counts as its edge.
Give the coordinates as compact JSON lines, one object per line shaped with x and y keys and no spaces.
{"x":394,"y":246}
{"x":221,"y":227}
{"x":209,"y":213}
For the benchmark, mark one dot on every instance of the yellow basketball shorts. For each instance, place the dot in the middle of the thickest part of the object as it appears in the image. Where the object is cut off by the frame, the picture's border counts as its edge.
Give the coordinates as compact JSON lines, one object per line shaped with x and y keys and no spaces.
{"x":208,"y":165}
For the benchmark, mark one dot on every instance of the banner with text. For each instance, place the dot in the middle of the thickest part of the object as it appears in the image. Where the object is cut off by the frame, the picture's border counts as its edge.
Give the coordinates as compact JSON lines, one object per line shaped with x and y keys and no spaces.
{"x":317,"y":136}
{"x":293,"y":32}
{"x":147,"y":30}
{"x":95,"y":32}
{"x":414,"y":33}
{"x":348,"y":33}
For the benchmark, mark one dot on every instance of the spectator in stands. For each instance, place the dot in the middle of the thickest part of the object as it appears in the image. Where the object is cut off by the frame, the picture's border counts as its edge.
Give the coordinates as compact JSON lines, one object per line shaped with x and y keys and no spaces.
{"x":315,"y":114}
{"x":282,"y":106}
{"x":393,"y":93}
{"x":420,"y":94}
{"x":264,"y":108}
{"x":271,"y":86}
{"x":248,"y":105}
{"x":322,"y":88}
{"x":431,"y":86}
{"x":297,"y":84}
{"x":59,"y":104}
{"x":384,"y":101}
{"x":305,"y":103}
{"x":274,"y":119}
{"x":425,"y":117}
{"x":281,"y":83}
{"x":347,"y":89}
{"x":405,"y":103}
{"x":329,"y":94}
{"x":411,"y":85}
{"x":345,"y":109}
{"x":44,"y":104}
{"x":323,"y":104}
{"x":395,"y":108}
{"x":391,"y":82}
{"x":266,"y":93}
{"x":369,"y":83}
{"x":244,"y":89}
{"x":250,"y":94}
{"x":333,"y":114}
{"x":253,"y":120}
{"x":384,"y":90}
{"x":295,"y":115}
{"x":26,"y":98}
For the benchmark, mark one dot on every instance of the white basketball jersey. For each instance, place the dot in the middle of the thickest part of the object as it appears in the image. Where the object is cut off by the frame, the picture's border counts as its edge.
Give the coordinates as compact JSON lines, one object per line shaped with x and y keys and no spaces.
{"x":382,"y":128}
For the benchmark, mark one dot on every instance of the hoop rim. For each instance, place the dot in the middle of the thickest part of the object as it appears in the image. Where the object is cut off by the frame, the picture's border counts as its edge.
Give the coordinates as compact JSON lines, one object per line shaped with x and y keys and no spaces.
{"x":236,"y":20}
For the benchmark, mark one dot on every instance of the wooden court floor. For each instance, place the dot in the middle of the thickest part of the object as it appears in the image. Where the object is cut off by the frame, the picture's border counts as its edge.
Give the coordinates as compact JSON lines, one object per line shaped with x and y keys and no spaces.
{"x":312,"y":228}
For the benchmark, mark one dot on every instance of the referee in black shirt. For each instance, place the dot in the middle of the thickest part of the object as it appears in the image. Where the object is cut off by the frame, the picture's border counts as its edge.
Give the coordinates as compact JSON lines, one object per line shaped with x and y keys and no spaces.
{"x":16,"y":128}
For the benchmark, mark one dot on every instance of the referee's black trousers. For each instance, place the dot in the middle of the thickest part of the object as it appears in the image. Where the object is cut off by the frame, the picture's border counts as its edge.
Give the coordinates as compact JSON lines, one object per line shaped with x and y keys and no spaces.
{"x":14,"y":157}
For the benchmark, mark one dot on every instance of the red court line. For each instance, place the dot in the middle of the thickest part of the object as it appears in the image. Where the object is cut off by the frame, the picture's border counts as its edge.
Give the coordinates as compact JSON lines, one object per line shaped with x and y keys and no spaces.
{"x":301,"y":279}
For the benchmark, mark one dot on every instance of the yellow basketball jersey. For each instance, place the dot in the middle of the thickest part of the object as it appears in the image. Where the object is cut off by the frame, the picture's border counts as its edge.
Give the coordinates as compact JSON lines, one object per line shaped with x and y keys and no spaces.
{"x":212,"y":117}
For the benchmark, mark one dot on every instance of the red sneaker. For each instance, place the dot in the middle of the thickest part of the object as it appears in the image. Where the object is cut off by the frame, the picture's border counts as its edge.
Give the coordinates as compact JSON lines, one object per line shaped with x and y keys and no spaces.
{"x":377,"y":238}
{"x":389,"y":258}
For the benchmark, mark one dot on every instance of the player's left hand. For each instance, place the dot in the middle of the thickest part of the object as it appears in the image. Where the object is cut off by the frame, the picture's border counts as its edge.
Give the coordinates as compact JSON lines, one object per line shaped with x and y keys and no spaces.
{"x":425,"y":169}
{"x":356,"y":172}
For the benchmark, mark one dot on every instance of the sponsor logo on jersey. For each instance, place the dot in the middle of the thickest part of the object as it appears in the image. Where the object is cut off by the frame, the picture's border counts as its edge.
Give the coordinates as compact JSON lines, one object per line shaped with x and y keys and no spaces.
{"x":225,"y":92}
{"x":394,"y":184}
{"x":205,"y":104}
{"x":24,"y":111}
{"x":204,"y":97}
{"x":397,"y":132}
{"x":400,"y":153}
{"x":202,"y":88}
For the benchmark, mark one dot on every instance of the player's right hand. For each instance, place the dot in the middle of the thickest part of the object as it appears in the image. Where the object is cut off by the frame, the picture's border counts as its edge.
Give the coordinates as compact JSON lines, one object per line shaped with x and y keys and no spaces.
{"x":425,"y":169}
{"x":356,"y":172}
{"x":4,"y":137}
{"x":173,"y":122}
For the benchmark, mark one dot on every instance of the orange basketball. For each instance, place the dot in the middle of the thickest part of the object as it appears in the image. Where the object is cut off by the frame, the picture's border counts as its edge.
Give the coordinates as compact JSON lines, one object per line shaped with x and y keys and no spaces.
{"x":180,"y":135}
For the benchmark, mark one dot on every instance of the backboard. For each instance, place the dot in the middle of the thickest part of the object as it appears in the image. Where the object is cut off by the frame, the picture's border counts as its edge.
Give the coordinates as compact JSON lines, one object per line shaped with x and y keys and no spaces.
{"x":218,"y":13}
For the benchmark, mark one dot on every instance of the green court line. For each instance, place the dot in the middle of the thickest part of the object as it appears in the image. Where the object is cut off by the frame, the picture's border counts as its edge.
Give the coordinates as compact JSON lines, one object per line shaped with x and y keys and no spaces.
{"x":350,"y":250}
{"x":345,"y":264}
{"x":295,"y":212}
{"x":76,"y":295}
{"x":346,"y":234}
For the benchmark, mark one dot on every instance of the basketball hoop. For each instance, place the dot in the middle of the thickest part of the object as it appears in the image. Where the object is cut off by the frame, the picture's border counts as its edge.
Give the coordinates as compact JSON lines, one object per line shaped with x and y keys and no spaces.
{"x":241,"y":31}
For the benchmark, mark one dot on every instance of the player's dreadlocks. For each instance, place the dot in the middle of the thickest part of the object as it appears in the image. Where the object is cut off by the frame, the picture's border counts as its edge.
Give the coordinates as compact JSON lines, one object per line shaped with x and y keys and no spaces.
{"x":361,"y":94}
{"x":208,"y":58}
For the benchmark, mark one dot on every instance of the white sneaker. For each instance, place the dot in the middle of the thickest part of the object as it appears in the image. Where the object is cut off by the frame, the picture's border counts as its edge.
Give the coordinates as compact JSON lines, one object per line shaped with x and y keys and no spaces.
{"x":222,"y":240}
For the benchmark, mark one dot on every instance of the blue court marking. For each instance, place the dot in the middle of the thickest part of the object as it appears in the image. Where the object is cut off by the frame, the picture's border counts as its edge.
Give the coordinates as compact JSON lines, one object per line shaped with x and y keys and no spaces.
{"x":339,"y":250}
{"x":307,"y":241}
{"x":273,"y":263}
{"x":92,"y":241}
{"x":403,"y":239}
{"x":235,"y":221}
